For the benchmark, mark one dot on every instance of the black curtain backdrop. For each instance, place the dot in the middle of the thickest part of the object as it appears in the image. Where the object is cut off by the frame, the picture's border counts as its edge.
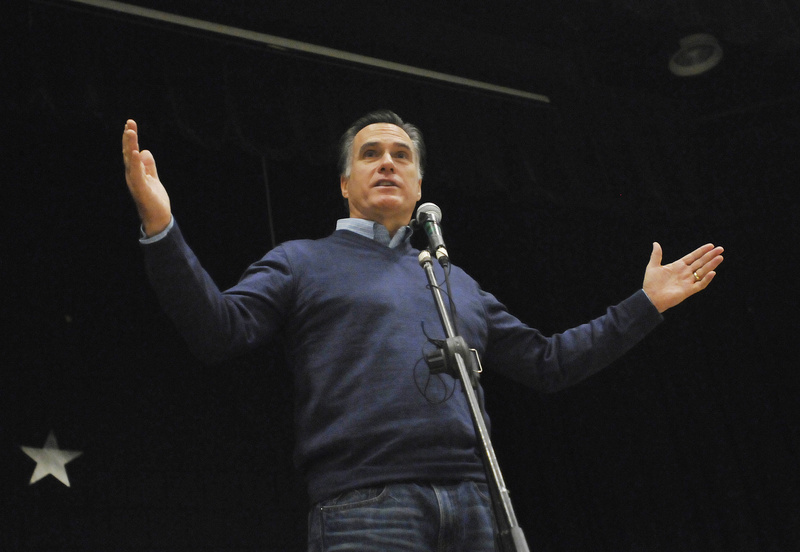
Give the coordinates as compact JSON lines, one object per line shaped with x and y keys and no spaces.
{"x":689,"y":443}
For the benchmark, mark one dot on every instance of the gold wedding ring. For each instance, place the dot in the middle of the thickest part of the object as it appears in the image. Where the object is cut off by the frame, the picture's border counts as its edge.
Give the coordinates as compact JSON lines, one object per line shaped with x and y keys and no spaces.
{"x":696,"y":277}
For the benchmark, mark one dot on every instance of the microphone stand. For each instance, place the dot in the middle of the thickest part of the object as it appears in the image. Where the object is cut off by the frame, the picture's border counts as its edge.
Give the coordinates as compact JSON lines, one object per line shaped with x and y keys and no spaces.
{"x":456,"y":357}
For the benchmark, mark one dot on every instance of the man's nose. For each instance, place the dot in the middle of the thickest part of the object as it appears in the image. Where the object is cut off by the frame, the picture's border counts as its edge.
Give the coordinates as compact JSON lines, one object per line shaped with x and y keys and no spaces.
{"x":387,"y":163}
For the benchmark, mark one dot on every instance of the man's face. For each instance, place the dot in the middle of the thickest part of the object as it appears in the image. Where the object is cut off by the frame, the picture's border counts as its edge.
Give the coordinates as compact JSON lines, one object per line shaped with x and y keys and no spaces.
{"x":384,"y":183}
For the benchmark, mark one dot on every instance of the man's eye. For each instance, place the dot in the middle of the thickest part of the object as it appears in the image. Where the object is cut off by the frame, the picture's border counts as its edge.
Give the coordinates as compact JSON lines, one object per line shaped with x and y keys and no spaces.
{"x":402,"y":154}
{"x":370,"y":153}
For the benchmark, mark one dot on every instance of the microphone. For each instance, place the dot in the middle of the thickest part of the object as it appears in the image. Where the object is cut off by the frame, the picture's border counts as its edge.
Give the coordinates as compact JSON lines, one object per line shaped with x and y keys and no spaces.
{"x":428,"y":216}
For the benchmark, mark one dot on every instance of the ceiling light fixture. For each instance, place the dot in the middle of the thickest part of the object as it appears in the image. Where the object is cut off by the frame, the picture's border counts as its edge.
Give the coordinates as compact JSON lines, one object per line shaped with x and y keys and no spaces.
{"x":698,"y":53}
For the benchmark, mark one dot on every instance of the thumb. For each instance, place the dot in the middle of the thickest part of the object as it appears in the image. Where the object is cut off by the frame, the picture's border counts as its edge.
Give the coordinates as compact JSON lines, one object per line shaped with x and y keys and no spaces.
{"x":149,"y":163}
{"x":656,"y":255}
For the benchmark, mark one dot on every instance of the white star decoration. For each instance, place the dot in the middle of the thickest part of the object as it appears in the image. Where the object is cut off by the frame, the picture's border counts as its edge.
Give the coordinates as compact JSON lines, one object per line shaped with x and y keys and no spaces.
{"x":50,"y":460}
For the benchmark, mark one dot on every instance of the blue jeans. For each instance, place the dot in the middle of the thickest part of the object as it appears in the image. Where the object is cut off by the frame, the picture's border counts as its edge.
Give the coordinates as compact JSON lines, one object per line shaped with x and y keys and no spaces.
{"x":405,"y":517}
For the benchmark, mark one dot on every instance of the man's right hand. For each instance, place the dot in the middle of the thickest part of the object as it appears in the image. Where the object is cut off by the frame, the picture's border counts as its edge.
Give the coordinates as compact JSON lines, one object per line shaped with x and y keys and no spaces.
{"x":150,"y":196}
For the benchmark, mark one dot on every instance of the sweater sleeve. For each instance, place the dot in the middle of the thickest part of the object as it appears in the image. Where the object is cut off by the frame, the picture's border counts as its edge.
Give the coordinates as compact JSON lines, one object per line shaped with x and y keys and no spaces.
{"x":218,"y":324}
{"x":556,"y":362}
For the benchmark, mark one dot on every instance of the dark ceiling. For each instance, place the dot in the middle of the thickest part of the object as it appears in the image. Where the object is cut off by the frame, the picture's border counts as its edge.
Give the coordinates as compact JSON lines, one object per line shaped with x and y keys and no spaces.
{"x":528,"y":44}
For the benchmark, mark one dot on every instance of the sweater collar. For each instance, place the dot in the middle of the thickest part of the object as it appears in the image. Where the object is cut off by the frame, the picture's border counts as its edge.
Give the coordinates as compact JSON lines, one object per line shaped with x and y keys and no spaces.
{"x":375,"y":231}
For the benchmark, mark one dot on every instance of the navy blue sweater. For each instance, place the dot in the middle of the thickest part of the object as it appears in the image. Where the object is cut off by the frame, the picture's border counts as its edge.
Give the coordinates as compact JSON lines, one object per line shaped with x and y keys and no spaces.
{"x":353,"y":315}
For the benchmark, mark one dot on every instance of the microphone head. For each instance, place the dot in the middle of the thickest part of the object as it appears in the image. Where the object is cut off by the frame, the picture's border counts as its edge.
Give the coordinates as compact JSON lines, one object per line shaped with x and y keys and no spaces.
{"x":428,"y":210}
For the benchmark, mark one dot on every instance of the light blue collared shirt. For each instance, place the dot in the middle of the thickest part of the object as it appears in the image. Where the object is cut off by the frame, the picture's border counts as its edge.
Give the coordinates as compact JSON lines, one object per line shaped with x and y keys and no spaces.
{"x":152,"y":239}
{"x":375,"y":231}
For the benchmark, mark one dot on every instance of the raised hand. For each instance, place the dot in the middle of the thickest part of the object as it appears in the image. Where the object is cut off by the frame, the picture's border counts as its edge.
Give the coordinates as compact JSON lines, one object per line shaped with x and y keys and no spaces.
{"x":668,"y":285}
{"x":150,"y":196}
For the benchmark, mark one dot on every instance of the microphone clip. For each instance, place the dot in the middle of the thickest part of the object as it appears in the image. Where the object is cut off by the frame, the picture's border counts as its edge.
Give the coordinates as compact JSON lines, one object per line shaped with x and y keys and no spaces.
{"x":443,"y":359}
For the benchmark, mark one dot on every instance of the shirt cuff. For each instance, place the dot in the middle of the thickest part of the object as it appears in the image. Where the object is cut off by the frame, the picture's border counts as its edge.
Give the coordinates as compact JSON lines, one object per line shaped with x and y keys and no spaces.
{"x":648,"y":298}
{"x":143,"y":239}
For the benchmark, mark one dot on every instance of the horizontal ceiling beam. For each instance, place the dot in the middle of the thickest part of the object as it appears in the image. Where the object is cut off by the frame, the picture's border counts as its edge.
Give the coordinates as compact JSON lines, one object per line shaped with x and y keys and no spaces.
{"x":304,"y":47}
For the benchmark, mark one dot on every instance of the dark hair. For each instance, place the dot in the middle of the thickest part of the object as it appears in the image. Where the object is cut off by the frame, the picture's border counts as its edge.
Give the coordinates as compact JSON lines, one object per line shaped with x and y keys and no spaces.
{"x":381,"y":116}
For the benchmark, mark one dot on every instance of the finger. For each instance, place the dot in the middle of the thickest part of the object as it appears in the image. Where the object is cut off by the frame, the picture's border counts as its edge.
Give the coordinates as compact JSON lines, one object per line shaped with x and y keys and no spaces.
{"x":703,"y":284}
{"x":656,"y":255}
{"x":705,"y":274}
{"x":697,"y":254}
{"x":130,"y":144}
{"x":131,"y":160}
{"x":134,"y":172}
{"x":711,"y":265}
{"x":130,"y":131}
{"x":706,"y":259}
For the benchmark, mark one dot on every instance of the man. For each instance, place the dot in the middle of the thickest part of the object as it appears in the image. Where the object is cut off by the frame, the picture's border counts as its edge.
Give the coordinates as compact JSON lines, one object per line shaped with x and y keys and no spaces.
{"x":390,"y":461}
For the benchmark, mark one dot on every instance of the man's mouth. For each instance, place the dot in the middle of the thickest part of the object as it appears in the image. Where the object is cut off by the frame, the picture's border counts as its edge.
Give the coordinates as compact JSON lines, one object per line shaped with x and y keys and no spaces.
{"x":385,"y":183}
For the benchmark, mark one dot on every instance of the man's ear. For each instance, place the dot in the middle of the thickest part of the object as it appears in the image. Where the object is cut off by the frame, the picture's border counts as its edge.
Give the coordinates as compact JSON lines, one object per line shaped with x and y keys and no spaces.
{"x":343,"y":185}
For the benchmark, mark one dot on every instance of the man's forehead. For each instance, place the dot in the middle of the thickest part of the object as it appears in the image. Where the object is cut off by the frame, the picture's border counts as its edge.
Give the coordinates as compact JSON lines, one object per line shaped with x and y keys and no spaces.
{"x":380,"y":132}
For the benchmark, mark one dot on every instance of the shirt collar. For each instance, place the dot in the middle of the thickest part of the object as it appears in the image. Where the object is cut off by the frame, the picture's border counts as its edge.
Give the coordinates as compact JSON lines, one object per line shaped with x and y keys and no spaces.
{"x":375,"y":231}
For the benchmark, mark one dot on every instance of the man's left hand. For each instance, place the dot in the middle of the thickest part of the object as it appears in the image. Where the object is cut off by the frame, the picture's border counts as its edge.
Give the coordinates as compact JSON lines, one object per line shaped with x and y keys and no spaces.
{"x":668,"y":285}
